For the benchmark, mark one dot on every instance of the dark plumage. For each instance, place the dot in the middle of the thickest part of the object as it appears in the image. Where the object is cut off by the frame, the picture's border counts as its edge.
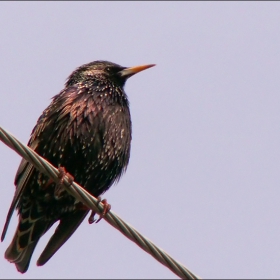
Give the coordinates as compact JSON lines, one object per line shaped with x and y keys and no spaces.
{"x":87,"y":130}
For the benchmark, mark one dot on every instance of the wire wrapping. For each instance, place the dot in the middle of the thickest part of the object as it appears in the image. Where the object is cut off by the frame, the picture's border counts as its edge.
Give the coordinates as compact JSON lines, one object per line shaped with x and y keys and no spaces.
{"x":91,"y":202}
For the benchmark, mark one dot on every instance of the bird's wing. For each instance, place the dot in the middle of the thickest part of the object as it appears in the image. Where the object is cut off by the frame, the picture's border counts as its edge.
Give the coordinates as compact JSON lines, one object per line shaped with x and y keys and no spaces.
{"x":64,"y":230}
{"x":24,"y":172}
{"x":26,"y":169}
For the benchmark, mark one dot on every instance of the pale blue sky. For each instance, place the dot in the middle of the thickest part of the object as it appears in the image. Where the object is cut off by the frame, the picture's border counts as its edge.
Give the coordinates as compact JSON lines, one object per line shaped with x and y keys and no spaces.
{"x":203,"y":180}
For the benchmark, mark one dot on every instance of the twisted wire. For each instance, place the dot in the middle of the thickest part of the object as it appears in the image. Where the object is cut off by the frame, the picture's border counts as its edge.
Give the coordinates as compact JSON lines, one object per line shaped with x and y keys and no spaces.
{"x":91,"y":202}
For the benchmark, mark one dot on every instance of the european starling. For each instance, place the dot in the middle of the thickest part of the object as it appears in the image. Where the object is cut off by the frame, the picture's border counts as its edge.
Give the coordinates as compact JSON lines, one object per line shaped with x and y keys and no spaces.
{"x":86,"y":130}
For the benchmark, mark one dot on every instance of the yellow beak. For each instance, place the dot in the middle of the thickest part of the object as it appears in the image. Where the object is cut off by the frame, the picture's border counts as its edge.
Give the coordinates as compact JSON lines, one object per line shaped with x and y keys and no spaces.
{"x":128,"y":72}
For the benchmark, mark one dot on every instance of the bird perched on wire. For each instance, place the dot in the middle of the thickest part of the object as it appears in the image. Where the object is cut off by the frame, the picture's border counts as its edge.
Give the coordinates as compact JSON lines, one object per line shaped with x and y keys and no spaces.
{"x":86,"y":130}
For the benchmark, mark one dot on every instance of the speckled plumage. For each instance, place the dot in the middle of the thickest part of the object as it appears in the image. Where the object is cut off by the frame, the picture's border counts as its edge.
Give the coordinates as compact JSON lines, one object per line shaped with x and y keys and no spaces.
{"x":87,"y":130}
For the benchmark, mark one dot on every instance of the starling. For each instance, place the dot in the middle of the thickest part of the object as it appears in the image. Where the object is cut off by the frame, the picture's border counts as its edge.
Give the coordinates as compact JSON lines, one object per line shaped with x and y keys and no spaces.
{"x":86,"y":130}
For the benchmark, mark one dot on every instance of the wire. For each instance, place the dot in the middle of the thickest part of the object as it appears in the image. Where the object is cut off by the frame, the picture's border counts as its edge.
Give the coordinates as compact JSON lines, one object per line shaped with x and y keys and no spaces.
{"x":91,"y":202}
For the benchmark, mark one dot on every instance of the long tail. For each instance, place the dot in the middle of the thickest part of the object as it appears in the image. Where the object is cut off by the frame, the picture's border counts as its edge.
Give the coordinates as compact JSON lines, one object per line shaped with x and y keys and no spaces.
{"x":28,"y":234}
{"x":64,"y":230}
{"x":24,"y":242}
{"x":20,"y":257}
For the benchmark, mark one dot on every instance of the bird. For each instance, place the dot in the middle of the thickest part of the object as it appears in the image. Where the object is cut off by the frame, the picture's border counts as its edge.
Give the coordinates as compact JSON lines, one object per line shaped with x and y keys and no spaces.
{"x":87,"y":131}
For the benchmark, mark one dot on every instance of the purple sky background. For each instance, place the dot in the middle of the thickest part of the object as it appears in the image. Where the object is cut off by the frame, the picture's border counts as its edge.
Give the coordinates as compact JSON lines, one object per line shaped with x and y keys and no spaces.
{"x":203,"y":181}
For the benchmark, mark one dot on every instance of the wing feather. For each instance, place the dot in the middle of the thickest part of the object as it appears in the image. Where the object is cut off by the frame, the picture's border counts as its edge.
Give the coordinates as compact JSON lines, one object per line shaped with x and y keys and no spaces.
{"x":23,"y":174}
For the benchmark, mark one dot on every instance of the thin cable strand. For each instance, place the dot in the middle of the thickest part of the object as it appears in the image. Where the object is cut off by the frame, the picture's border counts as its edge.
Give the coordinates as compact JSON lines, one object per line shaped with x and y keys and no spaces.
{"x":91,"y":202}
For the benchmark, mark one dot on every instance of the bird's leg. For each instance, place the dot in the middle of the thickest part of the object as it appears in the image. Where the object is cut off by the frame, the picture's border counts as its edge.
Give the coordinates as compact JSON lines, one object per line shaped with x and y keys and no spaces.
{"x":106,"y":209}
{"x":58,"y":191}
{"x":49,"y":182}
{"x":44,"y":181}
{"x":91,"y":219}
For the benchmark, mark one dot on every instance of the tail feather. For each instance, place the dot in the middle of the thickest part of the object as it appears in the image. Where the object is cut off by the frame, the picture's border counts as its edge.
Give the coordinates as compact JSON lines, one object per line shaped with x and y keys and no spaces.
{"x":25,"y":240}
{"x":64,"y":230}
{"x":20,"y":257}
{"x":28,"y":234}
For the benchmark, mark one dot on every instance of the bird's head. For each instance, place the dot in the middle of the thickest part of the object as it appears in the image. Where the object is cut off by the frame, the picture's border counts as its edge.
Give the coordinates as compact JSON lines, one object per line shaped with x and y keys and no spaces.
{"x":104,"y":70}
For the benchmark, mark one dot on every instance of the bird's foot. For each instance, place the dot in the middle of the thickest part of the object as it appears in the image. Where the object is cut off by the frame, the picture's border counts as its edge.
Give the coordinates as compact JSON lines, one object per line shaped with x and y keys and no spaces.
{"x":59,"y":190}
{"x":107,"y":208}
